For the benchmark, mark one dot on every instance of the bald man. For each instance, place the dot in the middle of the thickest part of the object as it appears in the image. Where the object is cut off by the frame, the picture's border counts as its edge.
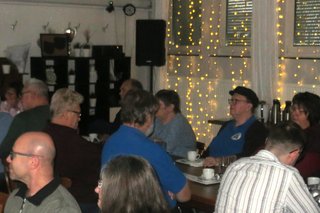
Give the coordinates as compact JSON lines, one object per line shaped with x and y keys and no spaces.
{"x":31,"y":162}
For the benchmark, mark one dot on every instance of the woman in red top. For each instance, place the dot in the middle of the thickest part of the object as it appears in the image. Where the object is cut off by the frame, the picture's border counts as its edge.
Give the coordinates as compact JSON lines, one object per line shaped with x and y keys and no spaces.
{"x":305,"y":111}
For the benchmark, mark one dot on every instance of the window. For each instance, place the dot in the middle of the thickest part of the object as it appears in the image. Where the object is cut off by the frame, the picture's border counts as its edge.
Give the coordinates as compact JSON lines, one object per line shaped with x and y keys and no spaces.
{"x":307,"y":23}
{"x":238,"y":22}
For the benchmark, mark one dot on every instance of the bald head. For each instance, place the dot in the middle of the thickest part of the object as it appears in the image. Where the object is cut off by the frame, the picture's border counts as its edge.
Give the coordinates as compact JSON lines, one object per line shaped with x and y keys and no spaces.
{"x":36,"y":143}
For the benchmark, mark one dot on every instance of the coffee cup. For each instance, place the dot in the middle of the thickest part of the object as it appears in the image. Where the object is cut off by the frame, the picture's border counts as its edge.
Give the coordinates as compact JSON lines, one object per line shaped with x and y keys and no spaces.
{"x":6,"y":68}
{"x":193,"y":155}
{"x":208,"y":173}
{"x":93,"y":137}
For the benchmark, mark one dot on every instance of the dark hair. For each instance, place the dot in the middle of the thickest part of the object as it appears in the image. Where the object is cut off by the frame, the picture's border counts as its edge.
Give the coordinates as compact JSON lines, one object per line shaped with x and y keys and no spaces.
{"x":310,"y":103}
{"x":137,"y":105}
{"x":17,"y":86}
{"x":129,"y":185}
{"x":135,"y":84}
{"x":288,"y":134}
{"x":169,"y":97}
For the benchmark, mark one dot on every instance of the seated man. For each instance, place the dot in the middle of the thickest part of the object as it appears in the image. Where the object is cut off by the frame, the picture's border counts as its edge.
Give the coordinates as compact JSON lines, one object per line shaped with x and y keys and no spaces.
{"x":244,"y":135}
{"x":138,"y":110}
{"x":31,"y":162}
{"x":127,"y":85}
{"x":171,"y":126}
{"x":267,"y":182}
{"x":76,"y":158}
{"x":35,"y":117}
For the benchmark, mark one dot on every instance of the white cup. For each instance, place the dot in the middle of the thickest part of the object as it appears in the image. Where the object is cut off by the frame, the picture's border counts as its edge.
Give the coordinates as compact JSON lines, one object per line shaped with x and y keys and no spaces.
{"x":193,"y":155}
{"x":93,"y":137}
{"x":6,"y":68}
{"x":313,"y":181}
{"x":208,"y":173}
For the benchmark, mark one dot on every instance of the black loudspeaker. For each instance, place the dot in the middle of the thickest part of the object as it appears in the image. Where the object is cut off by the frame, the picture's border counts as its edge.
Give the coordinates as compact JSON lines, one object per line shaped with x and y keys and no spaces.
{"x":150,"y":42}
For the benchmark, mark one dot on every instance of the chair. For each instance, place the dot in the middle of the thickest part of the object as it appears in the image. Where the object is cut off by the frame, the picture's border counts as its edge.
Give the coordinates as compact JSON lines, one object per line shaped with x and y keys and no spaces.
{"x":200,"y":147}
{"x":66,"y":182}
{"x":3,"y":200}
{"x":11,"y":185}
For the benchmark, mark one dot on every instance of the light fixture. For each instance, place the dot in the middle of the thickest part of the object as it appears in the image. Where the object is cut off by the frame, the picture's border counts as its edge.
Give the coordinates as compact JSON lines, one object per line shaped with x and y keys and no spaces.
{"x":110,"y":7}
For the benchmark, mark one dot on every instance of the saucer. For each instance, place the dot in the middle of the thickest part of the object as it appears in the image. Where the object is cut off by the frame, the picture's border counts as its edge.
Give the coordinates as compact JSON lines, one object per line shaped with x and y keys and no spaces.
{"x":206,"y":179}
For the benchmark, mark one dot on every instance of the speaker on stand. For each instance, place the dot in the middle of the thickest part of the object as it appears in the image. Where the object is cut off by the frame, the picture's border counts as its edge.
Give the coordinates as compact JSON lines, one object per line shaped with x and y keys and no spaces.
{"x":150,"y":44}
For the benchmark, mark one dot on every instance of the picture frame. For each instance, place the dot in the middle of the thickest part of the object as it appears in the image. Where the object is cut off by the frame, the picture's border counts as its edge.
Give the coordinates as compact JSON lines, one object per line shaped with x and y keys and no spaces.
{"x":54,"y":44}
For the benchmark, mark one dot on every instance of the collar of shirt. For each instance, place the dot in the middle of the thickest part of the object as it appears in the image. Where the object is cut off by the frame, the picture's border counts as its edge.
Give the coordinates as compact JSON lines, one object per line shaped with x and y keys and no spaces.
{"x":41,"y":194}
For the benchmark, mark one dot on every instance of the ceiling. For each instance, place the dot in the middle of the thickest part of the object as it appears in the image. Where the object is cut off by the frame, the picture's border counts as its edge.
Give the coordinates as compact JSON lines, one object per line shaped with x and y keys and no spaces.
{"x":116,"y":3}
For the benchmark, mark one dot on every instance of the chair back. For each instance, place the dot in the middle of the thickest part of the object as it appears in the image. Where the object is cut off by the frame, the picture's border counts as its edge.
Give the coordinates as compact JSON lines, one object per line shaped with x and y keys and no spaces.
{"x":3,"y":200}
{"x":11,"y":185}
{"x":66,"y":182}
{"x":200,"y":147}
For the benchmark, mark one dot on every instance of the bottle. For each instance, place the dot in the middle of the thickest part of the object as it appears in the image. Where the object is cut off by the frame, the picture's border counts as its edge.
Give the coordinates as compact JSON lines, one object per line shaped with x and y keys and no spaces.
{"x":286,"y":111}
{"x":275,"y":112}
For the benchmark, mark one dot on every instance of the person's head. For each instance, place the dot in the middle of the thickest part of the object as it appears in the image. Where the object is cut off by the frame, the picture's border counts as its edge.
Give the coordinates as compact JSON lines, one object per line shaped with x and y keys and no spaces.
{"x":65,"y":107}
{"x":169,"y":102}
{"x":130,"y":84}
{"x":31,"y":157}
{"x":243,"y":101}
{"x":305,"y":109}
{"x":286,"y":141}
{"x":128,"y":184}
{"x":138,"y":108}
{"x":13,"y":93}
{"x":34,"y":93}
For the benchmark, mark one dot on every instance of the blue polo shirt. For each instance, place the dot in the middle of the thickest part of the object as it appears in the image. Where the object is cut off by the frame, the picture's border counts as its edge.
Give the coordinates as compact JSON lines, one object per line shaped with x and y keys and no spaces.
{"x":131,"y":141}
{"x":230,"y":139}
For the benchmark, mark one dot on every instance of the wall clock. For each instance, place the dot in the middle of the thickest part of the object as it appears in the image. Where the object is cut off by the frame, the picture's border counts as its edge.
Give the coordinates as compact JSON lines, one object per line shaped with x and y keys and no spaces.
{"x":129,"y":9}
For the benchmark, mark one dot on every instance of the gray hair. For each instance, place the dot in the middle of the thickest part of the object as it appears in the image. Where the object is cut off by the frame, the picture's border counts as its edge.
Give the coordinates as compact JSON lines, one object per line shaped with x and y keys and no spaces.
{"x":64,"y":99}
{"x":37,"y":86}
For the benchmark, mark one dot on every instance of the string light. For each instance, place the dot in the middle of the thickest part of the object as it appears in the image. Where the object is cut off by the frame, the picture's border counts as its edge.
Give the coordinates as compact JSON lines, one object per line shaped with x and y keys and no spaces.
{"x":195,"y":71}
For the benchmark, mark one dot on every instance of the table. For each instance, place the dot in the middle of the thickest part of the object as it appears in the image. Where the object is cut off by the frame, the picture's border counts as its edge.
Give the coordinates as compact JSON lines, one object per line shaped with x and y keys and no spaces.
{"x":203,"y":197}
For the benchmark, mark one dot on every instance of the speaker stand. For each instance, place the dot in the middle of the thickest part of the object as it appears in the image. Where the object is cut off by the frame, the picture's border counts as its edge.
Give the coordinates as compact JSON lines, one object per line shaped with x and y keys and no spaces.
{"x":151,"y":79}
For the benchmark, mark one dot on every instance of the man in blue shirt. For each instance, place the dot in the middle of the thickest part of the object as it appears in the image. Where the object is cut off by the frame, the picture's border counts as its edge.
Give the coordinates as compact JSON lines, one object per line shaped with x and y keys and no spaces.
{"x":138,"y":111}
{"x":243,"y":135}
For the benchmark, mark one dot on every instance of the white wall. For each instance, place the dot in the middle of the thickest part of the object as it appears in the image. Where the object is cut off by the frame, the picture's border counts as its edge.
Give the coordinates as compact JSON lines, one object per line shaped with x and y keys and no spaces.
{"x":31,"y":19}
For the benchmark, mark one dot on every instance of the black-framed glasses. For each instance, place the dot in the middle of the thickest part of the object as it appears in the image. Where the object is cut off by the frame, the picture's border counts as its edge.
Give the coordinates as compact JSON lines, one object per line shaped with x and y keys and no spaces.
{"x":100,"y":184}
{"x":233,"y":101}
{"x":13,"y":154}
{"x":76,"y":112}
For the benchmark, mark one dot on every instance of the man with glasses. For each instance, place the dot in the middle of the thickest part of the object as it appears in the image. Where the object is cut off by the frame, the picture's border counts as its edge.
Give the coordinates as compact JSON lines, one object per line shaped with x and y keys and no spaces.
{"x":243,"y":135}
{"x":76,"y":158}
{"x":267,"y":181}
{"x":35,"y":116}
{"x":31,"y":162}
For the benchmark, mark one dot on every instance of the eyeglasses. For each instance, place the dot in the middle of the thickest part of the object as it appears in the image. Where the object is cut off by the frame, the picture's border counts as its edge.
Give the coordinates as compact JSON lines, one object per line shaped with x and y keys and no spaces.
{"x":235,"y":101}
{"x":78,"y":113}
{"x":13,"y":154}
{"x":100,"y":184}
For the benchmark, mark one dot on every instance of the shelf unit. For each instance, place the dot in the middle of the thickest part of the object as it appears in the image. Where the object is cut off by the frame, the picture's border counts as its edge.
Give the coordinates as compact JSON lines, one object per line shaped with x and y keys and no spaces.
{"x":110,"y":72}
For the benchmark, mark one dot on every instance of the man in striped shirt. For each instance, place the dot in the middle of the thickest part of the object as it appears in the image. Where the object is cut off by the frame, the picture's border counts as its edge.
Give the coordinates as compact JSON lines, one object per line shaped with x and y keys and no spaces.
{"x":267,"y":182}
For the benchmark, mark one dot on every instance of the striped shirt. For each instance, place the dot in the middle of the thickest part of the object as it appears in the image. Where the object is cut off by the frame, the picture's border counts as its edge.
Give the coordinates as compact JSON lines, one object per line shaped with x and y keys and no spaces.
{"x":262,"y":184}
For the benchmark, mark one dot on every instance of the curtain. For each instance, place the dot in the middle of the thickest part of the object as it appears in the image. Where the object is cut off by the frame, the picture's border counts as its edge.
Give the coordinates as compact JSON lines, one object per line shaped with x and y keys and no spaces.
{"x":264,"y":49}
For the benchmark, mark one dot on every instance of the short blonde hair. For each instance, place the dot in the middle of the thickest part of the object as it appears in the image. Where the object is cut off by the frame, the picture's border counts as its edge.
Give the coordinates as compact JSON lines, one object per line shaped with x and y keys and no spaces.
{"x":64,"y":99}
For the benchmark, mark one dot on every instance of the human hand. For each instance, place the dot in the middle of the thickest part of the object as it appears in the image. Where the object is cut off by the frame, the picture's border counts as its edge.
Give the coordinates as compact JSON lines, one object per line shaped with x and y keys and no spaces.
{"x":210,"y":161}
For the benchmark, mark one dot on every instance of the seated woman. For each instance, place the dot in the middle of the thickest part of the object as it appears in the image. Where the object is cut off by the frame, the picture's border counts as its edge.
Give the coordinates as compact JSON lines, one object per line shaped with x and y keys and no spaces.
{"x":12,"y":102}
{"x":305,"y":112}
{"x":129,"y":185}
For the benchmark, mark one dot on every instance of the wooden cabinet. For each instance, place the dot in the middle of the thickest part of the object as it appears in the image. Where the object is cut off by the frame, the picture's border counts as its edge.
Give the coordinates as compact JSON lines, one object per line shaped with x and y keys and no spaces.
{"x":93,"y":77}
